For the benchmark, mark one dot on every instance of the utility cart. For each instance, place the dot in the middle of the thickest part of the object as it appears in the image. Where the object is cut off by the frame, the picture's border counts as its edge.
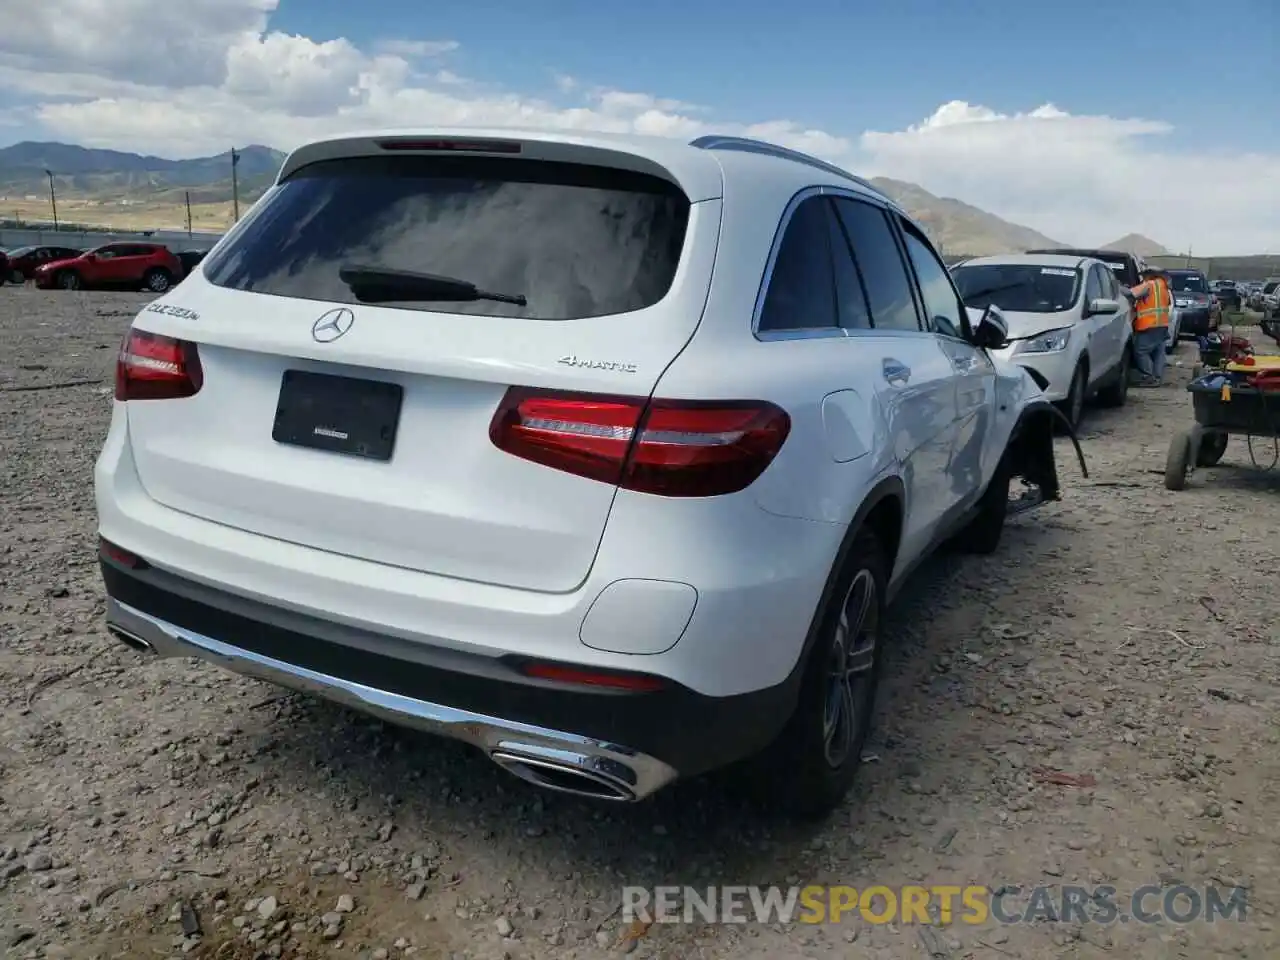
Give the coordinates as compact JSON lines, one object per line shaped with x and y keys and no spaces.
{"x":1241,"y":398}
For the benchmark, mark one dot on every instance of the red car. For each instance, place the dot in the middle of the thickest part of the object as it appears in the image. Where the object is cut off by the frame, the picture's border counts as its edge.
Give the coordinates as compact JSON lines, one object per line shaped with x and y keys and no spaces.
{"x":147,"y":266}
{"x":24,"y":261}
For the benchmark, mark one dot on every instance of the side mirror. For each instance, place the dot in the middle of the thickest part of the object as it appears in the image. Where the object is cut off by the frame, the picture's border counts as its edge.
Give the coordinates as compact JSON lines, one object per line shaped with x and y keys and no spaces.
{"x":1100,"y":306}
{"x":992,"y":331}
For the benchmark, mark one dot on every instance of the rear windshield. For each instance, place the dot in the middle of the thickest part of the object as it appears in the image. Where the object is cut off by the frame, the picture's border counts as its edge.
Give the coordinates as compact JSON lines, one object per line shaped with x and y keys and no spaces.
{"x":1021,"y":287}
{"x":1270,"y":286}
{"x":574,"y":240}
{"x":1187,"y":283}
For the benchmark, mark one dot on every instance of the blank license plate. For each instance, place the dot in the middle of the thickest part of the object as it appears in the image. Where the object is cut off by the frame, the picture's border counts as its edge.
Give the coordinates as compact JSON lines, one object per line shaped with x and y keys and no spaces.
{"x":338,"y":414}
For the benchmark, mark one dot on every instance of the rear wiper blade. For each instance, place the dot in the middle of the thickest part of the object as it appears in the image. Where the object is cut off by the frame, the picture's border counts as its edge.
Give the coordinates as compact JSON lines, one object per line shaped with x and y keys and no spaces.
{"x":379,"y":285}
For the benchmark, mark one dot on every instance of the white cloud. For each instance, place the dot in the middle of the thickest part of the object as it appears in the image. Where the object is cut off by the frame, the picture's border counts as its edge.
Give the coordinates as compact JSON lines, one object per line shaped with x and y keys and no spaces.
{"x":417,"y":48}
{"x":191,"y":78}
{"x":1087,"y":179}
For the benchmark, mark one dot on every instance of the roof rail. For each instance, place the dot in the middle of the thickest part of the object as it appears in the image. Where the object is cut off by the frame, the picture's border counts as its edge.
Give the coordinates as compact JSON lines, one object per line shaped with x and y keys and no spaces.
{"x":748,"y":145}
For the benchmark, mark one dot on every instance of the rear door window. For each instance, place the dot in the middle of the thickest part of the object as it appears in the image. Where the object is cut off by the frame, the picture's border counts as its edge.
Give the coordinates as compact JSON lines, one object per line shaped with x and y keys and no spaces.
{"x":888,"y":285}
{"x":801,"y":293}
{"x":575,"y":240}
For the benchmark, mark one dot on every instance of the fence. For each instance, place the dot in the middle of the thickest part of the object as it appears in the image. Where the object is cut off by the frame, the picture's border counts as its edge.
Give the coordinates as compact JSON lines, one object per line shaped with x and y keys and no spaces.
{"x":176,"y":240}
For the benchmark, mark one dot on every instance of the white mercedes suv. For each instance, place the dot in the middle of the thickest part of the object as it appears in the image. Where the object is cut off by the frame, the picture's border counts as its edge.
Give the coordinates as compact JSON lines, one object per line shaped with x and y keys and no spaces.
{"x":600,"y":453}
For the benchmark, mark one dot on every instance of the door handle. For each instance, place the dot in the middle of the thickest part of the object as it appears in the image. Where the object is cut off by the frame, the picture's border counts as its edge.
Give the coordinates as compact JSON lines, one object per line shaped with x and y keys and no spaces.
{"x":895,"y":371}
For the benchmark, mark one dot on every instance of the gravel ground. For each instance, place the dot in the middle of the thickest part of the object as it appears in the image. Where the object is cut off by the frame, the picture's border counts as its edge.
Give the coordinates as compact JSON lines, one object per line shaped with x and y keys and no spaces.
{"x":1127,"y":634}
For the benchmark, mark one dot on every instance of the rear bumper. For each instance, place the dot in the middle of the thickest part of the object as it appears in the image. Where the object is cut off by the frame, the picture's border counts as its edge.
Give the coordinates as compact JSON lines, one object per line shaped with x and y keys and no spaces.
{"x":1195,"y":321}
{"x":628,"y":744}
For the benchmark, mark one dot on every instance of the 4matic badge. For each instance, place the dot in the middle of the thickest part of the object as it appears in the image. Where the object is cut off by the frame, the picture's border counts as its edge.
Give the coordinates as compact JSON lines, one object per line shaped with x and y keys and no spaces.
{"x":573,"y":360}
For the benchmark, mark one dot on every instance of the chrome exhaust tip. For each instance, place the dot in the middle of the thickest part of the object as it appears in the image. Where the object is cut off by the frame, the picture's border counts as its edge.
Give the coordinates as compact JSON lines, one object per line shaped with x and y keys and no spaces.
{"x":562,"y":777}
{"x":133,"y":642}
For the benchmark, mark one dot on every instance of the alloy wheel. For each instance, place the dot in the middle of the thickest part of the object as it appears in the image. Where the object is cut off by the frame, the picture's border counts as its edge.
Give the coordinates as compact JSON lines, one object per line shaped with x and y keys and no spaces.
{"x":849,"y":670}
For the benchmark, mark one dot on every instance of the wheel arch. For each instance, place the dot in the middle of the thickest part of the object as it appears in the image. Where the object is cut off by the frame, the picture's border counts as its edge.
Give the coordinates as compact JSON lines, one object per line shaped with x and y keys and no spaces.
{"x":882,"y":510}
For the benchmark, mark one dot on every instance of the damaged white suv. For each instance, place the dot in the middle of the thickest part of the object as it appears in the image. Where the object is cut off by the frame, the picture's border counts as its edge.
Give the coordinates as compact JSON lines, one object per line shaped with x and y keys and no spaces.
{"x":601,"y":453}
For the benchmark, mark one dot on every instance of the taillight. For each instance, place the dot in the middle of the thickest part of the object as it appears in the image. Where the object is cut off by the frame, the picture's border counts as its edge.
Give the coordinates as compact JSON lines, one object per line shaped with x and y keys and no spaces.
{"x":673,"y":448}
{"x":155,"y":367}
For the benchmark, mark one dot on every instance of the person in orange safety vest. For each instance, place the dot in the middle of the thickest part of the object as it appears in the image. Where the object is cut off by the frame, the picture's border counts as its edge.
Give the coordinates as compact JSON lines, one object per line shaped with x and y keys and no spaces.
{"x":1153,"y":309}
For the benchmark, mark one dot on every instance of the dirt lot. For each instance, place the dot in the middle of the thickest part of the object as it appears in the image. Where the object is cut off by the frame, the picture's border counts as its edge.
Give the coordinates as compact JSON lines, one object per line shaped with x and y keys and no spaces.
{"x":1127,"y":633}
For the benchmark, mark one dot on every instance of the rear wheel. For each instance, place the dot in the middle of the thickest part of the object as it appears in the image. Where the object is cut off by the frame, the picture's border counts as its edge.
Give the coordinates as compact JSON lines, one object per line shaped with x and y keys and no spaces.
{"x":810,"y":768}
{"x":69,"y":280}
{"x":157,"y":280}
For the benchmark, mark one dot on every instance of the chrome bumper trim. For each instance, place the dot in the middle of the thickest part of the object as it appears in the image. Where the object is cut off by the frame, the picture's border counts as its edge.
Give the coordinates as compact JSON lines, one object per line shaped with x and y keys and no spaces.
{"x":634,"y":775}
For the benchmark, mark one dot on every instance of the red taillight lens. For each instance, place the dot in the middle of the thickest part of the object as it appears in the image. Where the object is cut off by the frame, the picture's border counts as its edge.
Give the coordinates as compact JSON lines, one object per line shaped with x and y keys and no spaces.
{"x":672,"y":448}
{"x":630,"y":682}
{"x":120,"y":555}
{"x":154,"y":367}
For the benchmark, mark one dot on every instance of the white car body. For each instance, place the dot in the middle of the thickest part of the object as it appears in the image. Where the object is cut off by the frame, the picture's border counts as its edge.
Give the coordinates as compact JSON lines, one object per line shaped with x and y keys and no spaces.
{"x":426,"y":586}
{"x":1067,"y":337}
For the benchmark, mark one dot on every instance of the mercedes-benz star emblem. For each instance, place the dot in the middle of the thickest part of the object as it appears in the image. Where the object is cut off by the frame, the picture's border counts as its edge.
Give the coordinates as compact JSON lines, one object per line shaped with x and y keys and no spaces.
{"x":332,"y":325}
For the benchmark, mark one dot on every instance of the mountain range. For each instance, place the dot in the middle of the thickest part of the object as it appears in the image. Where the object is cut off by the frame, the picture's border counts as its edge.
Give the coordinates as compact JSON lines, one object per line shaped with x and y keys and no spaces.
{"x":114,"y":188}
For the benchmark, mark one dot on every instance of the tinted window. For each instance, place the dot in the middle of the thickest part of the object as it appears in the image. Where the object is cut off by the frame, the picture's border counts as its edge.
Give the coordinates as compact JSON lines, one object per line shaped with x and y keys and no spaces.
{"x":1018,"y":287}
{"x":801,"y":292}
{"x":941,"y":303}
{"x":1187,"y":283}
{"x":851,"y":296}
{"x":575,"y":240}
{"x":884,"y":275}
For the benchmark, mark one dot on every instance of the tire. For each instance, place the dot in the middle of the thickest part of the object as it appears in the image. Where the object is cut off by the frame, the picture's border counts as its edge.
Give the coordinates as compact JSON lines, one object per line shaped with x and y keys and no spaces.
{"x":68,"y":280}
{"x":1116,"y":393}
{"x":17,"y":277}
{"x":808,"y":771}
{"x":982,"y":534}
{"x":1178,"y":463}
{"x":1073,"y":407}
{"x":157,"y":280}
{"x":1213,"y":444}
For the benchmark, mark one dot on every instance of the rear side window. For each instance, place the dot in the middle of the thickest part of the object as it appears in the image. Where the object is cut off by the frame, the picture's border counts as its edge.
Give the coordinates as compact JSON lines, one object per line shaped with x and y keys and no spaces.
{"x":575,"y":240}
{"x":801,"y":293}
{"x":883,"y":273}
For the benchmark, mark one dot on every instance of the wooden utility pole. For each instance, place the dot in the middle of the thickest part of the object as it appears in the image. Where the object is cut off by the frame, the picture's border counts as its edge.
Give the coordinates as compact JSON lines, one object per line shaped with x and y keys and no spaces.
{"x":188,"y":195}
{"x":235,"y":186}
{"x":53,"y":200}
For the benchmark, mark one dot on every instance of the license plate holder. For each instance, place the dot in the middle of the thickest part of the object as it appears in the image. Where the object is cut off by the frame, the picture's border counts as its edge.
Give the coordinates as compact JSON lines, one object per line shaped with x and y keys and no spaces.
{"x":345,"y":415}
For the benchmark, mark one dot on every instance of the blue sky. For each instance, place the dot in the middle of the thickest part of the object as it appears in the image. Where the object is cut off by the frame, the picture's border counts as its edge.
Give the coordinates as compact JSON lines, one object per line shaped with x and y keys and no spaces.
{"x":880,"y":65}
{"x":1083,"y":120}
